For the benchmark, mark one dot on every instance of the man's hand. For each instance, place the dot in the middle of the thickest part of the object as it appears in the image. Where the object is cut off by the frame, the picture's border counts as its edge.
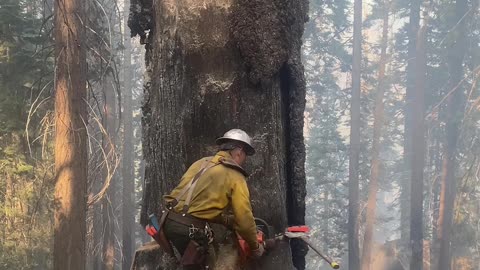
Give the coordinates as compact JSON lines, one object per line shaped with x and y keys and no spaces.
{"x":257,"y":253}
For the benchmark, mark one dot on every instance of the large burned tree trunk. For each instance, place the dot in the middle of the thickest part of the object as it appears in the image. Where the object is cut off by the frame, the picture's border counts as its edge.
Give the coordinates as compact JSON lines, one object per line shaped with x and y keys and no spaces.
{"x":214,"y":65}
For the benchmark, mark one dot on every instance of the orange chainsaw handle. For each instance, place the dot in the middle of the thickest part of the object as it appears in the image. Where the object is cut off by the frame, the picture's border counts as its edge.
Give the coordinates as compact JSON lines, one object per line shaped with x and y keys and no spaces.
{"x":244,"y":248}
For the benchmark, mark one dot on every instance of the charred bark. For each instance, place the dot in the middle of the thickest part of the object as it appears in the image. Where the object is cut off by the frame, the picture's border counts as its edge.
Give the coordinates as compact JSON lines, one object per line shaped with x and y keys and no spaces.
{"x":140,"y":18}
{"x":222,"y":64}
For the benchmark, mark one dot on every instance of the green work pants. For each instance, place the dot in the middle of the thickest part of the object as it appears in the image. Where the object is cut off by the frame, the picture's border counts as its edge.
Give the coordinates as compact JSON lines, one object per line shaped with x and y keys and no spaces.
{"x":178,"y":234}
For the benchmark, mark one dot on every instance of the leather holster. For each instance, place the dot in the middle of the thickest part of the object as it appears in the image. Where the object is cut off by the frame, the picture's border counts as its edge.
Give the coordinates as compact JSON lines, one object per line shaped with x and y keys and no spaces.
{"x":195,"y":254}
{"x":161,"y":238}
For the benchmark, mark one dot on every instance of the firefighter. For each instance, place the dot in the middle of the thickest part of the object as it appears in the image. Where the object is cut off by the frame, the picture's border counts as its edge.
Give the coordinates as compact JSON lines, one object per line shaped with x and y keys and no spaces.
{"x":208,"y":189}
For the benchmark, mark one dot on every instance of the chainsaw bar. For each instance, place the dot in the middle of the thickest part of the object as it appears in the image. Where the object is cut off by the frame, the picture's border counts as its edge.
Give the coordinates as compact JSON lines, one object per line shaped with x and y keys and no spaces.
{"x":303,"y":233}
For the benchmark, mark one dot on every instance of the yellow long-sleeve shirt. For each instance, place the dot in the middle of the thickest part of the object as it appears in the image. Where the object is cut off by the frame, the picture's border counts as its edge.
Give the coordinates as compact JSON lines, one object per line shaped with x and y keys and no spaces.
{"x":220,"y":187}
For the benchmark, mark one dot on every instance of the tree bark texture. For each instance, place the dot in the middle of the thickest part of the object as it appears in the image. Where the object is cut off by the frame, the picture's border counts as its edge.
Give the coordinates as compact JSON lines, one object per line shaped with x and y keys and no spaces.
{"x":418,"y":153}
{"x":353,"y":186}
{"x":220,"y":64}
{"x":455,"y":108}
{"x":96,"y":181}
{"x":128,"y":192}
{"x":149,"y":256}
{"x":377,"y":133}
{"x":407,"y":146}
{"x":109,"y":200}
{"x":71,"y":135}
{"x":97,"y":234}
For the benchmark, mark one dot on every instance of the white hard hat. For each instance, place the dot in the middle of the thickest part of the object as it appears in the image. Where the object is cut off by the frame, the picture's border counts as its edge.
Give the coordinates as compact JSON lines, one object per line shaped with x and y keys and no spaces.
{"x":239,"y":136}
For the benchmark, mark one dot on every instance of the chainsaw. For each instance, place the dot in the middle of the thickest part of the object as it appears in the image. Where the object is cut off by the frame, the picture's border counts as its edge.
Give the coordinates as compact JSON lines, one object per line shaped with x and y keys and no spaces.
{"x":266,"y":238}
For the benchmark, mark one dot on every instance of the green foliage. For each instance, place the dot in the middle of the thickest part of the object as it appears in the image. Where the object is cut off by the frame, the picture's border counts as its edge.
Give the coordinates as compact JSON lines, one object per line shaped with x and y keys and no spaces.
{"x":26,"y":66}
{"x":24,"y":169}
{"x":324,"y":57}
{"x":26,"y":204}
{"x":22,"y":61}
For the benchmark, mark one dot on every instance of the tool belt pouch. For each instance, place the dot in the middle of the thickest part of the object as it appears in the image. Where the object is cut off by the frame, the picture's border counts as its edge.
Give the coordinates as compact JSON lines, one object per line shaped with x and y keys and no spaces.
{"x":164,"y":243}
{"x":195,"y":254}
{"x":159,"y":234}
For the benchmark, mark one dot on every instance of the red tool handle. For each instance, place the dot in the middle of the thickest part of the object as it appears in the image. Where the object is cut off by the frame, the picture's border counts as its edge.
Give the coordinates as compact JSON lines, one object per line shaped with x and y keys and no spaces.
{"x":302,"y":228}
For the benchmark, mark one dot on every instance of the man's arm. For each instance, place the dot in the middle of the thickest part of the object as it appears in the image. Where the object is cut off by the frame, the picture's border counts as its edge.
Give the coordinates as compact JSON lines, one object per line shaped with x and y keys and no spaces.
{"x":242,"y":211}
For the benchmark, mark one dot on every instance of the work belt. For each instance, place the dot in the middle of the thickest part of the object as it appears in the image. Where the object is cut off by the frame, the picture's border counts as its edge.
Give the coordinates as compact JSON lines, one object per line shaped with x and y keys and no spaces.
{"x":187,"y":219}
{"x":193,"y":254}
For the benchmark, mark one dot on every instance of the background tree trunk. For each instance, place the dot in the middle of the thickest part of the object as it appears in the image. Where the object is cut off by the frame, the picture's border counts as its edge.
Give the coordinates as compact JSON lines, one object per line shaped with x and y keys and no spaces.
{"x":97,"y":232}
{"x":128,"y":192}
{"x":418,"y":152}
{"x":353,"y":186}
{"x":377,"y":134}
{"x":109,"y":200}
{"x":407,"y":146}
{"x":208,"y":77}
{"x":71,"y":135}
{"x":455,"y":109}
{"x":437,"y":164}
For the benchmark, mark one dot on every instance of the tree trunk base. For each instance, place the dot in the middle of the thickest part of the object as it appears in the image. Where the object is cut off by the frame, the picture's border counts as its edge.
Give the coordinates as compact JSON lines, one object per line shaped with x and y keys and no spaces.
{"x":151,"y":257}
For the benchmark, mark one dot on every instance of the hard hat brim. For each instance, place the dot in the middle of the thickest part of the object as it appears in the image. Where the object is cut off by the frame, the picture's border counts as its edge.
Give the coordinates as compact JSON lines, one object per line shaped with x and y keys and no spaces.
{"x":249,"y":150}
